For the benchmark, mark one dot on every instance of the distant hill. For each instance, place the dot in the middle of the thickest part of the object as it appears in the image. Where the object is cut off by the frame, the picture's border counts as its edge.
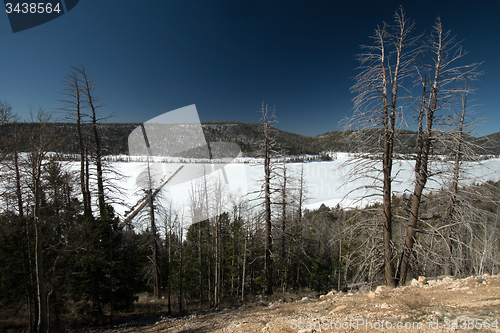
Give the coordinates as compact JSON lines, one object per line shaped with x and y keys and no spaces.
{"x":248,"y":137}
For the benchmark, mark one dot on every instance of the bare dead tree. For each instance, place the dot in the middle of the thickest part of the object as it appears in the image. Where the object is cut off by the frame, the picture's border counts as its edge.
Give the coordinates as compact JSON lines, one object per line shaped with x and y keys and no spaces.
{"x":471,"y":231}
{"x":9,"y":149}
{"x":442,"y":52}
{"x":91,"y":102}
{"x":74,"y":105}
{"x":302,"y":193}
{"x":377,"y":106}
{"x":458,"y":150}
{"x":268,"y":117}
{"x":6,"y":118}
{"x":153,"y":231}
{"x":284,"y":220}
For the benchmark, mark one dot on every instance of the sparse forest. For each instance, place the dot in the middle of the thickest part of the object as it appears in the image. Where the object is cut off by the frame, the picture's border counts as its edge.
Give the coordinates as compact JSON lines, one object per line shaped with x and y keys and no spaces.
{"x":67,"y":260}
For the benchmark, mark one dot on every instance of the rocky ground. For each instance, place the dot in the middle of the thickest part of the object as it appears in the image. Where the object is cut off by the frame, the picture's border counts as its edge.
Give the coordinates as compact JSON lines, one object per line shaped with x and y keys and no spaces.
{"x":434,"y":305}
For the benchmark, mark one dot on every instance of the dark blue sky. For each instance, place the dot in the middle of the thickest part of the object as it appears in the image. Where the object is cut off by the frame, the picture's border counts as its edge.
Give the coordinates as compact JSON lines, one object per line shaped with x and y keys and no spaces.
{"x":150,"y":57}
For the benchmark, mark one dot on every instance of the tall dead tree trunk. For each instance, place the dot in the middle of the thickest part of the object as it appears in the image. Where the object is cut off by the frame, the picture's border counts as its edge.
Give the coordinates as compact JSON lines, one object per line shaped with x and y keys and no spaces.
{"x":383,"y":66}
{"x":302,"y":194}
{"x":267,"y":146}
{"x":284,"y":203}
{"x":88,"y":88}
{"x":458,"y":140}
{"x":181,"y":266}
{"x":243,"y":276}
{"x":94,"y":106}
{"x":206,"y":202}
{"x":444,"y":50}
{"x":421,"y":174}
{"x":74,"y":105}
{"x":153,"y":231}
{"x":387,"y":159}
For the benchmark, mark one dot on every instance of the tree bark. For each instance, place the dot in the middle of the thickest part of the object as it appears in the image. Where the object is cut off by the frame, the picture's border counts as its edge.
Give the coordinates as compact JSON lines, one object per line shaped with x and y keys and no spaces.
{"x":450,"y":210}
{"x":283,"y":264}
{"x":37,"y":160}
{"x":421,"y":174}
{"x":384,"y":66}
{"x":267,"y":202}
{"x":88,"y":87}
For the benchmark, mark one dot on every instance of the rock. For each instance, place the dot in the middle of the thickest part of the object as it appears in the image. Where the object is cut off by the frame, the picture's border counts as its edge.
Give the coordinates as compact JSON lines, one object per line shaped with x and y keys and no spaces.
{"x":371,"y":294}
{"x":338,"y":308}
{"x":364,"y":289}
{"x":331,"y":293}
{"x":422,"y":280}
{"x":322,"y":297}
{"x":305,"y":299}
{"x":453,"y":285}
{"x":414,"y":283}
{"x":382,"y":290}
{"x":384,"y":306}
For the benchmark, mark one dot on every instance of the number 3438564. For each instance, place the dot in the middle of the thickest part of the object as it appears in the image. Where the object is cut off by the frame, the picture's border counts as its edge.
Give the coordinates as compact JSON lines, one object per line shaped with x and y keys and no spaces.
{"x":32,"y":8}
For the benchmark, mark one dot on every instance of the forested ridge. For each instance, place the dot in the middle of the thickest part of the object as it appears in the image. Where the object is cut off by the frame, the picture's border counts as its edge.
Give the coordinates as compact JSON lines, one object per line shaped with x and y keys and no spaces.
{"x":248,"y":137}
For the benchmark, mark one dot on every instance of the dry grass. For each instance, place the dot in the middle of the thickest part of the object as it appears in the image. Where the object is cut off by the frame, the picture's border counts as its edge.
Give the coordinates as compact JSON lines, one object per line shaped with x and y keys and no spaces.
{"x":416,"y":303}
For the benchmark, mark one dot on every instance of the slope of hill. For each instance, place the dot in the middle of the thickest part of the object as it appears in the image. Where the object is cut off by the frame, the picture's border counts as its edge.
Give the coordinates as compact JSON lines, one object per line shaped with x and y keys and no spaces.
{"x":248,"y":137}
{"x":441,"y":304}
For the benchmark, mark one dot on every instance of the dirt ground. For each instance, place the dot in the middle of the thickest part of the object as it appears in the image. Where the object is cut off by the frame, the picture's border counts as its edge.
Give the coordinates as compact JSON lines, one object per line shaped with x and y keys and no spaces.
{"x":437,"y":305}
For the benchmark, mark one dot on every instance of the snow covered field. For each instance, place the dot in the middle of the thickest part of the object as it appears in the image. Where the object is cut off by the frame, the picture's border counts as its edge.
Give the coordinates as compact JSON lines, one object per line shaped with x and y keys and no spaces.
{"x":325,"y":182}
